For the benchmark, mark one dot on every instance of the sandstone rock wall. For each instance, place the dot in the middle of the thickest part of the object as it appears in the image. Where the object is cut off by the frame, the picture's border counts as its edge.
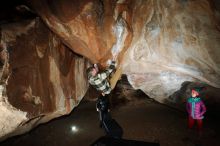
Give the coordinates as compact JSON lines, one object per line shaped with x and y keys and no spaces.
{"x":40,"y":77}
{"x":93,"y":28}
{"x":174,"y":41}
{"x":167,"y":42}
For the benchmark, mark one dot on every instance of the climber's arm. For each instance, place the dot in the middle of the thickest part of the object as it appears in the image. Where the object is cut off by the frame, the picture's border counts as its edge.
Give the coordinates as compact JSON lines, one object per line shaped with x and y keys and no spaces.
{"x":108,"y":71}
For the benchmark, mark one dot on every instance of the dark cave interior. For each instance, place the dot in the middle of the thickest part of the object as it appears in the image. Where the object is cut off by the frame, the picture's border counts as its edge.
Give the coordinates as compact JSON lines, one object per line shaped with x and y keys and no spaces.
{"x":141,"y":117}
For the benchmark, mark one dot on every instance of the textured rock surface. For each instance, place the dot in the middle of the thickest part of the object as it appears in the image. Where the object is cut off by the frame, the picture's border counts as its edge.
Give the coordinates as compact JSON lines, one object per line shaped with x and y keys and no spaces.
{"x":174,"y":41}
{"x":169,"y":42}
{"x":40,"y":77}
{"x":93,"y":28}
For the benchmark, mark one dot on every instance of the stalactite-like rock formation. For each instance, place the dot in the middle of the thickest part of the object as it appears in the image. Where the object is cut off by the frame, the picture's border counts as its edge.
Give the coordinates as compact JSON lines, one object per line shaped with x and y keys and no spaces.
{"x":40,"y":77}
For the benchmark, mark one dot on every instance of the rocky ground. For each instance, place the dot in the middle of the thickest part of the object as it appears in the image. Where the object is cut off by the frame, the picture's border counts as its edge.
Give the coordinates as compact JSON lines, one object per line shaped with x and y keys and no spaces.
{"x":142,"y":119}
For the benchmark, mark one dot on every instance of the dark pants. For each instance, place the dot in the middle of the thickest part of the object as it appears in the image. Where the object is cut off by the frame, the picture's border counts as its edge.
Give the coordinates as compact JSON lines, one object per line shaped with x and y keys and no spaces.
{"x":103,"y":108}
{"x":111,"y":127}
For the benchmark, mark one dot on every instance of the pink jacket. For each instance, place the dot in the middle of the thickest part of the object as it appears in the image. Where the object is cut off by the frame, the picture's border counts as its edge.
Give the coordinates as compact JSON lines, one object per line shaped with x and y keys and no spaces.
{"x":195,"y":107}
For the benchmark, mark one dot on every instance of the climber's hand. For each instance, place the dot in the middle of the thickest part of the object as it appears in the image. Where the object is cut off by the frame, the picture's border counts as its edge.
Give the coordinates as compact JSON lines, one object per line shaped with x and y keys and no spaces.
{"x":111,"y":62}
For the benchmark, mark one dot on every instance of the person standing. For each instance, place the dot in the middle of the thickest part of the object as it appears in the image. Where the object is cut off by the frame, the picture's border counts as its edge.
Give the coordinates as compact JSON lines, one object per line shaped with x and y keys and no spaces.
{"x":196,"y":109}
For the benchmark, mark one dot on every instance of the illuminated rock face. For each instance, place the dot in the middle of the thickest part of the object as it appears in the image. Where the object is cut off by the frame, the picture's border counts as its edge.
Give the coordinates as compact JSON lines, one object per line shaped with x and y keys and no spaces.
{"x":93,"y":28}
{"x":174,"y":41}
{"x":40,"y":77}
{"x":167,"y":42}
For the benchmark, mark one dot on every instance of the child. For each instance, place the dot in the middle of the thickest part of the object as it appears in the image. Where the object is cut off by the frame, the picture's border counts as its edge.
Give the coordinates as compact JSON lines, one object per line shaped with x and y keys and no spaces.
{"x":196,"y":109}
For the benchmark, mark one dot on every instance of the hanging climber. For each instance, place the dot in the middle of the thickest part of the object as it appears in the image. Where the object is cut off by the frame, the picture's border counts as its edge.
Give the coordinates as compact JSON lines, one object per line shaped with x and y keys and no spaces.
{"x":100,"y":81}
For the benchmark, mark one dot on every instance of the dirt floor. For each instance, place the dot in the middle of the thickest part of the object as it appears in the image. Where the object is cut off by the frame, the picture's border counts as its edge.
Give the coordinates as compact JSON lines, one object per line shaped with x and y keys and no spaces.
{"x":142,"y":119}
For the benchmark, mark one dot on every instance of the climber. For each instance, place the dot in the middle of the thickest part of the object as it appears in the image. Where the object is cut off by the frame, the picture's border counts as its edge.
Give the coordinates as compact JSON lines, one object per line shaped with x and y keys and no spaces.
{"x":196,"y":109}
{"x":100,"y":81}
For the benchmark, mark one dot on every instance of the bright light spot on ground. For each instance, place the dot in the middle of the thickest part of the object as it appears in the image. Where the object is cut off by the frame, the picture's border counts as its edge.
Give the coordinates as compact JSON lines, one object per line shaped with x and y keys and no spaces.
{"x":74,"y":129}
